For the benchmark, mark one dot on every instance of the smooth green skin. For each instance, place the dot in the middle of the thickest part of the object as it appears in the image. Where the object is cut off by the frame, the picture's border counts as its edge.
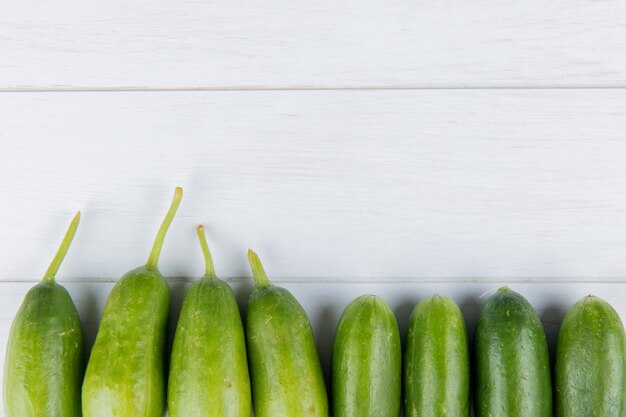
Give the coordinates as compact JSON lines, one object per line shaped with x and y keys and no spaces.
{"x":366,"y":363}
{"x":436,"y":370}
{"x":512,"y":363}
{"x":208,"y":369}
{"x":590,"y":375}
{"x":126,"y":375}
{"x":44,"y":360}
{"x":286,"y":374}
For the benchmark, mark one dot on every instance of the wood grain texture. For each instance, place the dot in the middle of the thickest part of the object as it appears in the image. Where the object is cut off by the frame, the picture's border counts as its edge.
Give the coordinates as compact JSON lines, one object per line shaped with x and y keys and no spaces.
{"x":276,"y":43}
{"x":330,"y":185}
{"x":324,"y":302}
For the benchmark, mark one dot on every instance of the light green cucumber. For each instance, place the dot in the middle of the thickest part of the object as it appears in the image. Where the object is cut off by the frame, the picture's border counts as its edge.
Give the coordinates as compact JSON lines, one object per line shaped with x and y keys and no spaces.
{"x":512,"y":363}
{"x":125,"y":375}
{"x":366,"y":362}
{"x":208,"y":368}
{"x":43,"y":367}
{"x":590,"y":370}
{"x":436,"y":361}
{"x":286,"y":374}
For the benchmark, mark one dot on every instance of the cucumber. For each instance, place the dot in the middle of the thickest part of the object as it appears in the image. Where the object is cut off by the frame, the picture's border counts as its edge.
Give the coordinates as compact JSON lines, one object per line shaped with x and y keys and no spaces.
{"x":512,"y":363}
{"x":286,"y":374}
{"x":366,"y":362}
{"x":125,"y":375}
{"x":590,"y":362}
{"x":436,"y":370}
{"x":43,"y":367}
{"x":208,"y":368}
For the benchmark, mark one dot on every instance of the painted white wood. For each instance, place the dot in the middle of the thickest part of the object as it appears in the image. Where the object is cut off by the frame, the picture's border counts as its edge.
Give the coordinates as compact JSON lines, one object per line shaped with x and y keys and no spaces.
{"x":325,"y":301}
{"x":331,"y":185}
{"x":278,"y":43}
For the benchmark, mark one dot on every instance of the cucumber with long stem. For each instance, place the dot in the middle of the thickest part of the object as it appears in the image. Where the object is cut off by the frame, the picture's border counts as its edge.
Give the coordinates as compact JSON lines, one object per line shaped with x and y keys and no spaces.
{"x":208,"y":368}
{"x":125,"y":375}
{"x":286,"y":374}
{"x":43,"y":368}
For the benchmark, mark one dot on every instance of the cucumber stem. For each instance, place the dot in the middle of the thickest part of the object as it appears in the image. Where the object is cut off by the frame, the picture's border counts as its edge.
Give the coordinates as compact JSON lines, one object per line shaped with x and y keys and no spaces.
{"x":62,"y":251}
{"x":209,"y":270}
{"x":260,"y":277}
{"x":153,"y":259}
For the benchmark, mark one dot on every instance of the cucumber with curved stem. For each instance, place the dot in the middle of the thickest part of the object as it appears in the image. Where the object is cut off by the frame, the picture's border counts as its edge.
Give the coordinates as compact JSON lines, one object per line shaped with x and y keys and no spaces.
{"x":590,"y":370}
{"x":209,"y":369}
{"x":366,"y":362}
{"x":126,"y":374}
{"x":286,"y":374}
{"x":512,"y":362}
{"x":436,"y":361}
{"x":43,"y":367}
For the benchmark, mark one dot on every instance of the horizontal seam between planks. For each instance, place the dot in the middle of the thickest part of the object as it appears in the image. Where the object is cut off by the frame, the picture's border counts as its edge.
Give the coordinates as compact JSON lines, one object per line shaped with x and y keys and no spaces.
{"x":253,"y":88}
{"x":365,"y":280}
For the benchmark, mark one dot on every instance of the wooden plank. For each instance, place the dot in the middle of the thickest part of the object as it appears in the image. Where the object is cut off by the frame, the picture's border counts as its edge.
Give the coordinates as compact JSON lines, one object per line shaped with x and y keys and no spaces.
{"x":276,"y":43}
{"x":325,"y":301}
{"x":331,"y":185}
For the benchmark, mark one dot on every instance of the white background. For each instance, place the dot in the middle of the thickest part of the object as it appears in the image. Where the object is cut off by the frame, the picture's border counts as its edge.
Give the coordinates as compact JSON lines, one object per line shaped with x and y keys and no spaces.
{"x":399,"y":148}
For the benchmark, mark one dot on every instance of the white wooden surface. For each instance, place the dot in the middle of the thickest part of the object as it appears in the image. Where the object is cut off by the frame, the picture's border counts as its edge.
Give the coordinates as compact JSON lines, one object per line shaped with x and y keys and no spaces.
{"x":327,"y":43}
{"x":335,"y":185}
{"x":398,"y":148}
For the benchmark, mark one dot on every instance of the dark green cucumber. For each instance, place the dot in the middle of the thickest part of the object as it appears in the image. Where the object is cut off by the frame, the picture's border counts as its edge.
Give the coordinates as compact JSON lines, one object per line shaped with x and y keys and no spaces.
{"x":286,"y":374}
{"x":436,"y":361}
{"x":209,"y":369}
{"x":126,"y":374}
{"x":590,"y":370}
{"x":366,"y":363}
{"x":43,"y":368}
{"x":512,"y":362}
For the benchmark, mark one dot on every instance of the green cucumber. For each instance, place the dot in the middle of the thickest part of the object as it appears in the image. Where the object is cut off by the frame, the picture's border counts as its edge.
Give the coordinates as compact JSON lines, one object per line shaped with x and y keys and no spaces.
{"x":366,"y":362}
{"x":590,"y":369}
{"x":436,"y":361}
{"x":512,"y":362}
{"x":208,"y":368}
{"x":286,"y":373}
{"x":126,"y":374}
{"x":43,"y":367}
